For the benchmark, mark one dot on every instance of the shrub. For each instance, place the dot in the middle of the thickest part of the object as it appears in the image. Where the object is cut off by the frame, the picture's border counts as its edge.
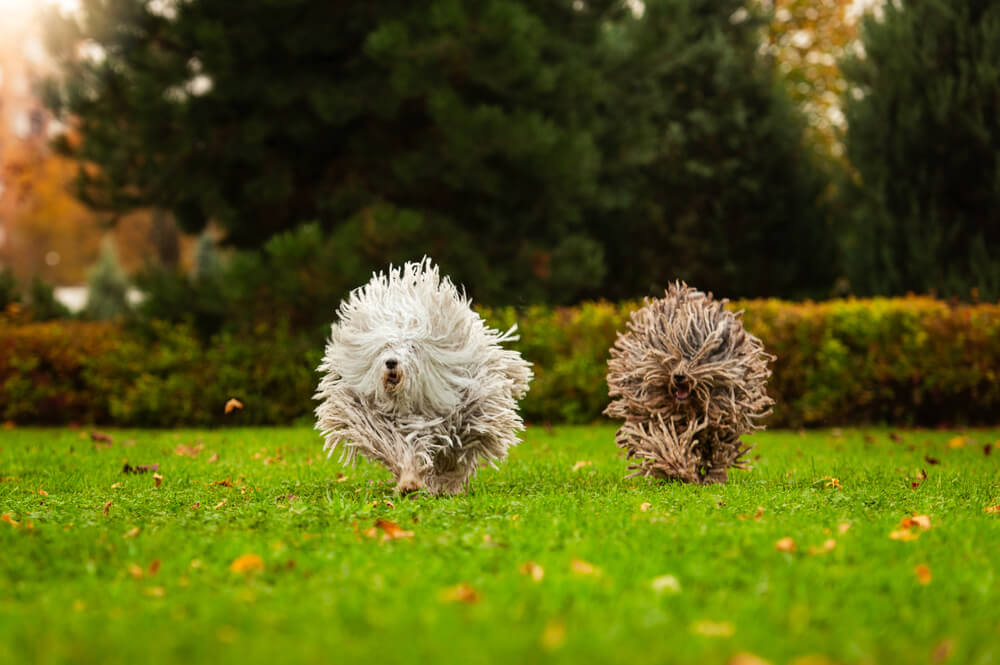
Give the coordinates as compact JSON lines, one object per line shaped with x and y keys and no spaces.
{"x":906,"y":361}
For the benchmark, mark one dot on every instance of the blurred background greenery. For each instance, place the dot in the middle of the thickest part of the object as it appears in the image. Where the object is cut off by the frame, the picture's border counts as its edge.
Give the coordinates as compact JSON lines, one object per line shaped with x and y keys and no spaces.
{"x":237,"y":167}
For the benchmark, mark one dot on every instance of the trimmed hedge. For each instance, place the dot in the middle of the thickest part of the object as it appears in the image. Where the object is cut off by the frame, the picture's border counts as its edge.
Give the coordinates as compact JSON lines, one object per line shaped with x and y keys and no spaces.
{"x":905,"y":361}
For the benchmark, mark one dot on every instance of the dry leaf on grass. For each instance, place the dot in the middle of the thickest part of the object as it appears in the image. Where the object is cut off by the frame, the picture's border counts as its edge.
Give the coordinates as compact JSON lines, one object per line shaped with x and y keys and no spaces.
{"x":745,"y":658}
{"x":785,"y":545}
{"x":248,"y":563}
{"x":923,"y":573}
{"x":145,"y":468}
{"x":992,"y":509}
{"x":135,"y":572}
{"x":532,"y":570}
{"x":832,"y":482}
{"x":756,"y":516}
{"x":391,"y":530}
{"x":943,"y":651}
{"x":101,"y":437}
{"x":933,"y":461}
{"x":341,"y":477}
{"x":921,"y":477}
{"x":232,"y":404}
{"x":228,"y":482}
{"x":904,"y":534}
{"x":131,"y":533}
{"x":554,"y":635}
{"x":107,"y":507}
{"x":579,"y":465}
{"x":957,"y":442}
{"x":214,"y":458}
{"x":157,"y":479}
{"x":8,"y":519}
{"x":185,"y":450}
{"x":584,"y":568}
{"x":220,"y":504}
{"x":828,"y":546}
{"x":645,"y":506}
{"x":42,"y":492}
{"x":843,"y":527}
{"x":460,"y":593}
{"x":713,"y":628}
{"x":921,"y":521}
{"x":666,"y":584}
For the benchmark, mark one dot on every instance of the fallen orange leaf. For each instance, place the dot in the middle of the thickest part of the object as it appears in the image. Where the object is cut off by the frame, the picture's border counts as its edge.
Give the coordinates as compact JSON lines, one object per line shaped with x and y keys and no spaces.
{"x":341,"y":477}
{"x":214,"y":458}
{"x":391,"y":530}
{"x":460,"y":593}
{"x":233,"y":404}
{"x":8,"y":519}
{"x":579,"y":465}
{"x":42,"y":492}
{"x":785,"y":545}
{"x":185,"y":450}
{"x":922,"y":521}
{"x":533,"y":570}
{"x":248,"y":563}
{"x":957,"y":442}
{"x":131,"y":533}
{"x":228,"y":482}
{"x":834,"y":483}
{"x":581,"y":567}
{"x":135,"y":571}
{"x":220,"y":504}
{"x":923,"y":573}
{"x":107,"y":507}
{"x":756,"y":516}
{"x":904,"y":534}
{"x":157,"y":480}
{"x":843,"y":527}
{"x":828,"y":545}
{"x":992,"y":509}
{"x":645,"y":506}
{"x":116,"y":486}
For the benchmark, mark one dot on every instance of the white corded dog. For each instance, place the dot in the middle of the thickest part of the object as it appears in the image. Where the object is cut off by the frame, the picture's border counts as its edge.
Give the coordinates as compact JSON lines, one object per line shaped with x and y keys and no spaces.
{"x":414,"y":379}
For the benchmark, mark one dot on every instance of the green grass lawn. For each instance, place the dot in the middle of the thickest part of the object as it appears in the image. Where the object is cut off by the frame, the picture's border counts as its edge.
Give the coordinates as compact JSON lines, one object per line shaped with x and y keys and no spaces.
{"x":113,"y":569}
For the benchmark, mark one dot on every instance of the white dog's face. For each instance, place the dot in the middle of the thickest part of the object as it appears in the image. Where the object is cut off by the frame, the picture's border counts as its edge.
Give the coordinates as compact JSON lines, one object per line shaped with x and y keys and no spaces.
{"x":394,"y":364}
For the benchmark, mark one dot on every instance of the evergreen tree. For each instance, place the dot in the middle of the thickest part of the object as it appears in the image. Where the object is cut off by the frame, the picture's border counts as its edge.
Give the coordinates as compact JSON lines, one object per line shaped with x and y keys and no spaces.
{"x":539,"y":151}
{"x":43,"y":303}
{"x":923,"y":111}
{"x":107,"y":288}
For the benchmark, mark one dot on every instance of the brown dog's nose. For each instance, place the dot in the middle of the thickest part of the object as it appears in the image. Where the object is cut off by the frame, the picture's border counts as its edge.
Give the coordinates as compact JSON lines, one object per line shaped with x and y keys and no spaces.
{"x":408,"y":484}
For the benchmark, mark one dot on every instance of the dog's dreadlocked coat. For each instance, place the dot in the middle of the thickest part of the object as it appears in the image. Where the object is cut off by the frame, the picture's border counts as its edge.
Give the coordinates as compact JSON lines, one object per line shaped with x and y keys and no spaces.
{"x":689,"y":381}
{"x":414,"y":379}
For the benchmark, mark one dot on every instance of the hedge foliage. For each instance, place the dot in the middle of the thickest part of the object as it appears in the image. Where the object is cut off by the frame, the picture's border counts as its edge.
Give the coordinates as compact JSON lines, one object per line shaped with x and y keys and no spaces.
{"x":905,"y":361}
